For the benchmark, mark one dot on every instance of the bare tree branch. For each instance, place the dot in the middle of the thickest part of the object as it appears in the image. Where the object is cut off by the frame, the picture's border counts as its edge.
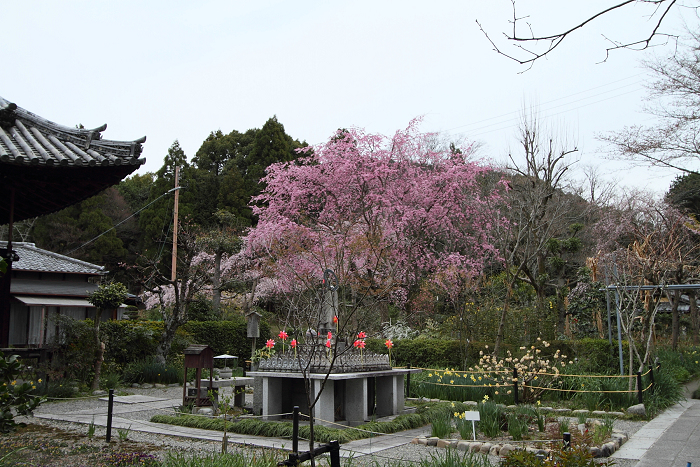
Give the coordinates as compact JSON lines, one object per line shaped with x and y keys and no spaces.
{"x":531,"y":45}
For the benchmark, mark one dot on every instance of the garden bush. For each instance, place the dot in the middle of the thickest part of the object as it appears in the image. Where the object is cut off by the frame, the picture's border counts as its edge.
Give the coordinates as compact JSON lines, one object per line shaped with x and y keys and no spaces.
{"x":226,"y":336}
{"x":150,"y":370}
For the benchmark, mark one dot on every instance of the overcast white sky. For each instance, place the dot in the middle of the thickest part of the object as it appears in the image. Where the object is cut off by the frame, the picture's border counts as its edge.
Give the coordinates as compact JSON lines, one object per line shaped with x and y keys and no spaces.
{"x":179,"y":70}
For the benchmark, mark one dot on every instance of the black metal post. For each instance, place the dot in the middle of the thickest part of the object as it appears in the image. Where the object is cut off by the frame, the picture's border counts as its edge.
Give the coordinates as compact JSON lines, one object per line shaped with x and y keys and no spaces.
{"x":295,"y":431}
{"x":640,"y":395}
{"x":335,"y":453}
{"x":408,"y":381}
{"x":110,"y":406}
{"x":515,"y":386}
{"x":567,"y":440}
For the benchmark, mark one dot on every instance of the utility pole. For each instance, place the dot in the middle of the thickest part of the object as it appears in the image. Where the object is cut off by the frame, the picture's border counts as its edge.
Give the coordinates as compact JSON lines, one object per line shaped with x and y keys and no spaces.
{"x":173,"y":273}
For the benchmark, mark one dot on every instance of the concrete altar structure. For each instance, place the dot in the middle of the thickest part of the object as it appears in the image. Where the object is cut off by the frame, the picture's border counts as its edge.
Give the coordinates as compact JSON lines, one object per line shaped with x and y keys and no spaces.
{"x":350,"y":398}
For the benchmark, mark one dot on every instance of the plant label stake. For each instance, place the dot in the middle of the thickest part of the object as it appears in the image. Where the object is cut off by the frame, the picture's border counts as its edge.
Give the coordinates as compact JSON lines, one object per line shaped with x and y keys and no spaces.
{"x":472,"y":415}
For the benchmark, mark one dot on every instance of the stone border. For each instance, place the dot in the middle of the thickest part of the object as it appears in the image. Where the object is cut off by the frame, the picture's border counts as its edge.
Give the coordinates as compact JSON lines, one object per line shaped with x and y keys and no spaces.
{"x":501,"y":449}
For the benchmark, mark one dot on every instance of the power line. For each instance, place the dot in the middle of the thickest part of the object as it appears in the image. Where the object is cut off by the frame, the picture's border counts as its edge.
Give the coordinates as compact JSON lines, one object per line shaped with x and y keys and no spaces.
{"x":120,"y":223}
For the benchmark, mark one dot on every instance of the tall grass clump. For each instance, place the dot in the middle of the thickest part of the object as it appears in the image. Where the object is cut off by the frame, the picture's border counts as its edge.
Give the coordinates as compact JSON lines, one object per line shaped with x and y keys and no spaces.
{"x":665,"y":392}
{"x":237,"y":459}
{"x":454,"y":458}
{"x":441,"y":425}
{"x":490,"y":414}
{"x":150,"y":370}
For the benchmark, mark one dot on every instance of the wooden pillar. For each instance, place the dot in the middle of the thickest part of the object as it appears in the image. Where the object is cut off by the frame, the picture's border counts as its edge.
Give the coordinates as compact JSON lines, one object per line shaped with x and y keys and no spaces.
{"x":6,"y":280}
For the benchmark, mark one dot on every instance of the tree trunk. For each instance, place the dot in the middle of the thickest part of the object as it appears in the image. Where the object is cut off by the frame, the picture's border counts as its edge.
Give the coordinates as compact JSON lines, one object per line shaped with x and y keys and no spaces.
{"x":216,"y":285}
{"x":675,"y":321}
{"x":694,"y":318}
{"x":99,"y":352}
{"x":502,"y":321}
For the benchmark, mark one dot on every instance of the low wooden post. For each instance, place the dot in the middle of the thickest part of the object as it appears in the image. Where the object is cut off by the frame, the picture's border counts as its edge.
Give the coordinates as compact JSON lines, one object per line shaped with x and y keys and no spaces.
{"x":640,"y":395}
{"x":110,"y":407}
{"x":567,"y":440}
{"x":295,"y":431}
{"x":335,"y":453}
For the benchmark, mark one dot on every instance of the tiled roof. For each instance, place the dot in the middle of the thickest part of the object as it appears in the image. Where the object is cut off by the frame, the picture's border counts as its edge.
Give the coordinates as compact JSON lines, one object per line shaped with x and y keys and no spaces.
{"x":45,"y":167}
{"x":32,"y":258}
{"x":26,"y":138}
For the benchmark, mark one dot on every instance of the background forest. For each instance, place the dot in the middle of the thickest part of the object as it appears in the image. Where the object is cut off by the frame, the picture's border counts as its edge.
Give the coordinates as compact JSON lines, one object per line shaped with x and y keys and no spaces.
{"x":427,"y":238}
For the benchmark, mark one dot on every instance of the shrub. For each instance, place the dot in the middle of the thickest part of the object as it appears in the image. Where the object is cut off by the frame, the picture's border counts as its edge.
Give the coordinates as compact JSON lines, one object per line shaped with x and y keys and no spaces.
{"x":150,"y":370}
{"x":16,"y":398}
{"x":225,"y":336}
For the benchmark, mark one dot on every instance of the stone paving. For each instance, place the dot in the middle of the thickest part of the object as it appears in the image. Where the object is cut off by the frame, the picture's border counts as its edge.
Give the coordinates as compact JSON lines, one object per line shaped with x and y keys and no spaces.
{"x":125,"y":406}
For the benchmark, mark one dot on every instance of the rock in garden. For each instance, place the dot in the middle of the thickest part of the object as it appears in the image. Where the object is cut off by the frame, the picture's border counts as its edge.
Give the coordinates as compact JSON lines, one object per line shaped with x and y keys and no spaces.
{"x":420,"y":440}
{"x":99,"y":393}
{"x":595,"y":452}
{"x":505,"y":449}
{"x":495,"y":449}
{"x":446,"y":443}
{"x":485,"y":448}
{"x":433,"y":440}
{"x":638,"y":409}
{"x":463,"y":446}
{"x":475,"y":447}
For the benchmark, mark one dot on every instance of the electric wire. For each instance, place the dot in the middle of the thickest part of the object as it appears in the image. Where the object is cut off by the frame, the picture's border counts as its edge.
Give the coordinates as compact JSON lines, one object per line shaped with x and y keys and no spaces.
{"x":120,"y":223}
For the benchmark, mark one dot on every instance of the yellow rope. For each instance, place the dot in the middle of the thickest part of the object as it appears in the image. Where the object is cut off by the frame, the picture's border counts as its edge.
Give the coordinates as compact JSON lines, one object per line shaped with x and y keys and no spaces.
{"x":573,"y":390}
{"x":579,"y":376}
{"x":645,"y":389}
{"x":467,"y":385}
{"x":434,"y":370}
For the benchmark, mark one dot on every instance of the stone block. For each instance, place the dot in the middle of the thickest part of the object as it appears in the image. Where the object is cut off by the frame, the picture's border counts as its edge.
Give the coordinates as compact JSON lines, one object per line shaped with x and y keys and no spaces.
{"x":616,"y":414}
{"x":610,"y":448}
{"x":485,"y":448}
{"x":463,"y":446}
{"x":471,"y":403}
{"x":495,"y":449}
{"x":433,"y":440}
{"x":420,"y":440}
{"x":505,"y":449}
{"x":599,"y":413}
{"x":637,"y":409}
{"x":475,"y":447}
{"x":444,"y":443}
{"x":579,"y":411}
{"x":595,"y":452}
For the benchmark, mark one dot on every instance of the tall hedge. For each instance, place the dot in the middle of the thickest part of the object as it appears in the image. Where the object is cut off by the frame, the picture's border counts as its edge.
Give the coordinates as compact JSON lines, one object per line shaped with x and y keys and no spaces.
{"x":226,"y":336}
{"x":595,"y":355}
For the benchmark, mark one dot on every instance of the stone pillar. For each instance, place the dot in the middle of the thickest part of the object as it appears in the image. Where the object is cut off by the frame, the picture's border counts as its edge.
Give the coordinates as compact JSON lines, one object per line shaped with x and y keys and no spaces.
{"x":325,"y":406}
{"x":271,"y":398}
{"x":330,"y":309}
{"x":356,"y":401}
{"x":390,"y":398}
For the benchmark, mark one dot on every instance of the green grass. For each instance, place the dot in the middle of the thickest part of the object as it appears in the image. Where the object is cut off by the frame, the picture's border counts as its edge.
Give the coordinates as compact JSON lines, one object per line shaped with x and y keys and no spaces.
{"x":177,"y":459}
{"x":424,"y":415}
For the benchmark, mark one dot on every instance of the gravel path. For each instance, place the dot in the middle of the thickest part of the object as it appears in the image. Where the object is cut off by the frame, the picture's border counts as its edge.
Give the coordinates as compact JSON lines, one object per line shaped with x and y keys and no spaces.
{"x":410,"y":453}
